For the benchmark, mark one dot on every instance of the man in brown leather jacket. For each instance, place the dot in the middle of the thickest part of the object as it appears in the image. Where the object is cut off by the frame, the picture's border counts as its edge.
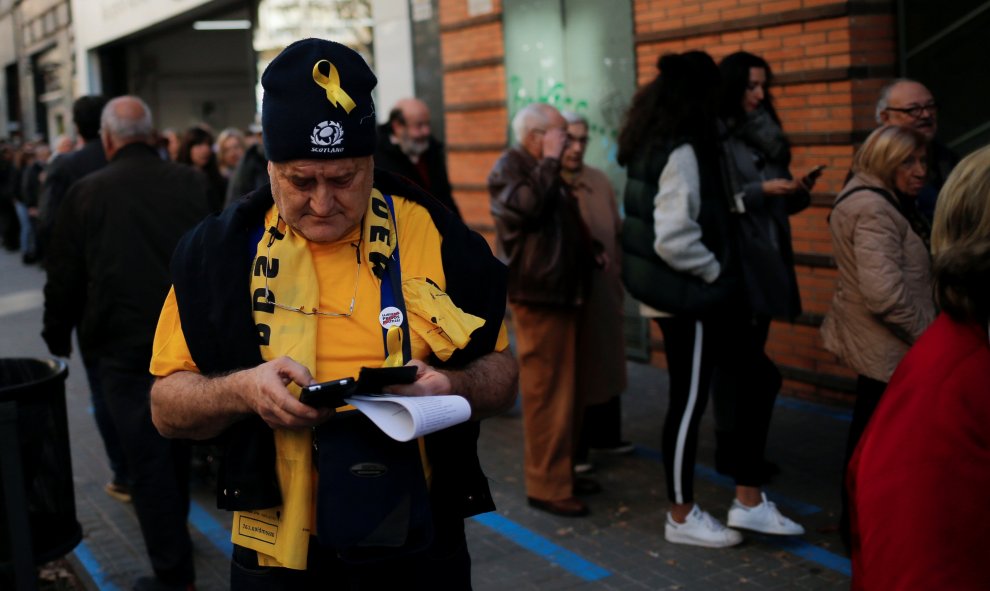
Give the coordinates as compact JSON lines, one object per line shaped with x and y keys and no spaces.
{"x":550,"y":254}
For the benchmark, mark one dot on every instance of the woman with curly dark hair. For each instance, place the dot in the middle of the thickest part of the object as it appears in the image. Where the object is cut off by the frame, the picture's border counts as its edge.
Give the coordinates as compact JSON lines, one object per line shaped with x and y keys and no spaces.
{"x":196,"y":149}
{"x":677,"y":259}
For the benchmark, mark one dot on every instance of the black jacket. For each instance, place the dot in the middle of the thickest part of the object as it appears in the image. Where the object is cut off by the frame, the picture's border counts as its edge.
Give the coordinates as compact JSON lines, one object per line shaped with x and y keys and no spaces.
{"x":646,"y":276}
{"x":251,"y":173}
{"x":389,"y":157}
{"x":108,"y":264}
{"x":62,"y":173}
{"x":211,"y":274}
{"x":766,"y":255}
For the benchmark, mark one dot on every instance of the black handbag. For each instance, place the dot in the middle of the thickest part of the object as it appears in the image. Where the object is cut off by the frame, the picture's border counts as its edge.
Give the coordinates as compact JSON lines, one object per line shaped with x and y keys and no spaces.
{"x":373,"y":502}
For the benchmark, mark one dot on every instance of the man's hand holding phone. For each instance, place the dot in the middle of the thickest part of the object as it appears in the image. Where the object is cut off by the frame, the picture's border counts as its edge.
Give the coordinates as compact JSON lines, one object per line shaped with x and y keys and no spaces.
{"x":328,"y":394}
{"x":371,"y":380}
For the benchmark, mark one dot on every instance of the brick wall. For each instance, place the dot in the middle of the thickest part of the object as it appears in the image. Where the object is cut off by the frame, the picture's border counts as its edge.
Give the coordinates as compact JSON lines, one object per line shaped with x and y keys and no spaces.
{"x":829,"y":58}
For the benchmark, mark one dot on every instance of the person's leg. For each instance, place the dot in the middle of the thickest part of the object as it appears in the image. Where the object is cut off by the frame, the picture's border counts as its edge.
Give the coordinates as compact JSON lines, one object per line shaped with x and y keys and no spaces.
{"x":445,"y":565}
{"x":545,"y":345}
{"x":27,"y":249}
{"x":748,"y":383}
{"x":159,"y":473}
{"x":684,"y":342}
{"x":106,"y":428}
{"x":689,"y":356}
{"x":868,"y":394}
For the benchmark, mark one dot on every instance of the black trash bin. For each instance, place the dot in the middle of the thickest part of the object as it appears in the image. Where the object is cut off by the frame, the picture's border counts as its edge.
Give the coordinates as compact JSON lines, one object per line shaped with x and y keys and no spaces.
{"x":35,"y":391}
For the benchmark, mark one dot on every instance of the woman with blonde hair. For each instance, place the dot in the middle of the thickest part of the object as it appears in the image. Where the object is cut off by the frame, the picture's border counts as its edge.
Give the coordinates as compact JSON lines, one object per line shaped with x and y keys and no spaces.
{"x":919,"y":478}
{"x":883,"y":295}
{"x":230,"y":150}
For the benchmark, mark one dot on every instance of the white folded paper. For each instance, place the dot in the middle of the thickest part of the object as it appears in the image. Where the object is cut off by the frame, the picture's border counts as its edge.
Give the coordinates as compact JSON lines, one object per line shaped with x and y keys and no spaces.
{"x":407,"y":417}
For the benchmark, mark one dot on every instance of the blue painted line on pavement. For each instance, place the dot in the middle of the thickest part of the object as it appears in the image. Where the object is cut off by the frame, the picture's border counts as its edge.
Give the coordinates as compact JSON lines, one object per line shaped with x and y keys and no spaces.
{"x":817,"y":409}
{"x":811,"y":553}
{"x":792,"y":505}
{"x":537,"y":544}
{"x":211,"y":528}
{"x":93,"y":568}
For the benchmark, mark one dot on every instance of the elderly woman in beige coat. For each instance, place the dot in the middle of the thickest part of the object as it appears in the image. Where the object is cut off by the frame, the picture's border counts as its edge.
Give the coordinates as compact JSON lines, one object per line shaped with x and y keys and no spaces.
{"x":883,"y":297}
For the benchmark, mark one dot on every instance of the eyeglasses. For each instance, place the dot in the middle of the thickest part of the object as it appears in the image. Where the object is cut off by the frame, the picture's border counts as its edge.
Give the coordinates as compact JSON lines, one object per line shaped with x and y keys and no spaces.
{"x":916,"y":111}
{"x":316,"y":311}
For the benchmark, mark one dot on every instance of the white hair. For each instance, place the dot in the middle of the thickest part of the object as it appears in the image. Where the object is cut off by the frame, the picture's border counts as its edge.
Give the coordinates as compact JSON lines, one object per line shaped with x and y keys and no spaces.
{"x":573,"y":118}
{"x":528,"y":118}
{"x":884,"y":101}
{"x":127,"y":127}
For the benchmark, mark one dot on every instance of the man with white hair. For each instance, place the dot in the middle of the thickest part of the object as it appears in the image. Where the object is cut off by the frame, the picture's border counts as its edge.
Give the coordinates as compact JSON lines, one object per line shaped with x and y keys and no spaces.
{"x":550,"y":254}
{"x":108,"y":274}
{"x":909,"y":103}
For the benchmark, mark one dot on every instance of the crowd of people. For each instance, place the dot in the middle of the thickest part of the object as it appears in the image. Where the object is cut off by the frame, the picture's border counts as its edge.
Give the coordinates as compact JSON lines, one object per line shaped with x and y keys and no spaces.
{"x":244,"y":266}
{"x":706,"y":250}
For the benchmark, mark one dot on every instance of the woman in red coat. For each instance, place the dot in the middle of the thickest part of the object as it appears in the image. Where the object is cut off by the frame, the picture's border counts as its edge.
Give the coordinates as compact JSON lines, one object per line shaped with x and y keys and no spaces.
{"x":920,"y":478}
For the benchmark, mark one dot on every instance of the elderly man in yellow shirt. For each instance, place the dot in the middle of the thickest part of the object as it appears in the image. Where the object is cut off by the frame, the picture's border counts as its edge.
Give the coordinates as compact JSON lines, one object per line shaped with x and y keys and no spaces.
{"x":301,"y":283}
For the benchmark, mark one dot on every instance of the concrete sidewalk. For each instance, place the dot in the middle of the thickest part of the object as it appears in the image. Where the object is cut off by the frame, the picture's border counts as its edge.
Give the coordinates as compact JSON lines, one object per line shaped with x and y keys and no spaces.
{"x":620,"y":546}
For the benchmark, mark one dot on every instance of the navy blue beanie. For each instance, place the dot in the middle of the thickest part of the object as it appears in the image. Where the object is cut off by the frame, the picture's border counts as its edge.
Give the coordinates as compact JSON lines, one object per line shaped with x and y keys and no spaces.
{"x":317,"y":103}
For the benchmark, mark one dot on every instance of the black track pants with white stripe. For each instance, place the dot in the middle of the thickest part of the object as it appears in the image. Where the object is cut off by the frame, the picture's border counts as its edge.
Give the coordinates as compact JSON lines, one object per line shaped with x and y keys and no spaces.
{"x":690,"y":354}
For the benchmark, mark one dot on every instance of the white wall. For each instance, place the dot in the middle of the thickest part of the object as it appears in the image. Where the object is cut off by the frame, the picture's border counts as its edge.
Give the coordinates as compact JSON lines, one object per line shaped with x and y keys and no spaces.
{"x":393,"y":54}
{"x":97,"y":22}
{"x":8,"y":55}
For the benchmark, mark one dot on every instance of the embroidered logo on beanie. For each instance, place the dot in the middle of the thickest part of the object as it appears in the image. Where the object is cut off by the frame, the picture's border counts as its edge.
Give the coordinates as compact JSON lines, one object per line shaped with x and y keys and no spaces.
{"x":317,"y":103}
{"x":327,"y":133}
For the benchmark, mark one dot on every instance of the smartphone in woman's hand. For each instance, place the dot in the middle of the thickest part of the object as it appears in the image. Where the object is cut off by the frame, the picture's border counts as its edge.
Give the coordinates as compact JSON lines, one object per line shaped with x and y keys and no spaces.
{"x":809,"y":179}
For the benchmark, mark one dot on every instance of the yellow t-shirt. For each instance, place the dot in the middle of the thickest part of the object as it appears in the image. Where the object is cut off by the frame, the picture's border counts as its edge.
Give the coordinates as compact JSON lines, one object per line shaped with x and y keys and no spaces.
{"x":343,"y":344}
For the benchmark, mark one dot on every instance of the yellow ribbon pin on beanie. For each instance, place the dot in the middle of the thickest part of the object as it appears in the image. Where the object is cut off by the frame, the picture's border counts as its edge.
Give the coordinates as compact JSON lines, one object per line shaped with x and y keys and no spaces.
{"x":331,"y":83}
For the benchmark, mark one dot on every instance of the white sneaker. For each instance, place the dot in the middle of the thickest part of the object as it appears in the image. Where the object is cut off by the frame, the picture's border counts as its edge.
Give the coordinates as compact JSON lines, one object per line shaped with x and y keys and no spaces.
{"x":700,"y":529}
{"x":764,"y":518}
{"x":584,"y":468}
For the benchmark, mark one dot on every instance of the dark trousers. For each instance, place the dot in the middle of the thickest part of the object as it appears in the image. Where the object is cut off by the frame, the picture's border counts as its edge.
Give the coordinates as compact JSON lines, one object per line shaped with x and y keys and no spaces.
{"x":445,"y":565}
{"x":868,"y":395}
{"x":744,"y":388}
{"x":105,"y":426}
{"x":691,"y":351}
{"x":159,"y":470}
{"x":601,"y":428}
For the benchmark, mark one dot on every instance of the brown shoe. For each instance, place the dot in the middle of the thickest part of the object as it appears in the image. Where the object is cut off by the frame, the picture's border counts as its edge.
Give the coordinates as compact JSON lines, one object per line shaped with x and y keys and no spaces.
{"x":569,"y":507}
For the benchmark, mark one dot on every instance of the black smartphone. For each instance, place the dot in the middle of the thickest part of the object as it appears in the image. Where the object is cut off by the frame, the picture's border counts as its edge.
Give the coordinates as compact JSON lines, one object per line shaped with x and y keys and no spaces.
{"x":328,"y":394}
{"x":809,"y":179}
{"x":815,"y":172}
{"x":372,"y":380}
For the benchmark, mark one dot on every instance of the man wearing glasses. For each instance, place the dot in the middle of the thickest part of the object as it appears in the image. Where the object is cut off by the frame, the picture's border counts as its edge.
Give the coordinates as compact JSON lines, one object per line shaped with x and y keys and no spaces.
{"x":909,"y":104}
{"x":303,"y":282}
{"x":601,"y":348}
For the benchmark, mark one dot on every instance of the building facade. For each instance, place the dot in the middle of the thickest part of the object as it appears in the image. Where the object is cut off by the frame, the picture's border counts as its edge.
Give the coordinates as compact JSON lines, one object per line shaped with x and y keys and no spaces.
{"x":475,"y":62}
{"x":830,"y":60}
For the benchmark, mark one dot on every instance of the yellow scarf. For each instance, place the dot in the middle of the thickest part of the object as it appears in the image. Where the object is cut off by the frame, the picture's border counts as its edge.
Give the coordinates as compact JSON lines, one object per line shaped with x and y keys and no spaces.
{"x":281,"y":534}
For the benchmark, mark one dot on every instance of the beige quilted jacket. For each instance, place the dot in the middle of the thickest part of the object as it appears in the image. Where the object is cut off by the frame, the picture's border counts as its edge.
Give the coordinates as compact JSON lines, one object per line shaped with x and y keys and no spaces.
{"x":883,"y":296}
